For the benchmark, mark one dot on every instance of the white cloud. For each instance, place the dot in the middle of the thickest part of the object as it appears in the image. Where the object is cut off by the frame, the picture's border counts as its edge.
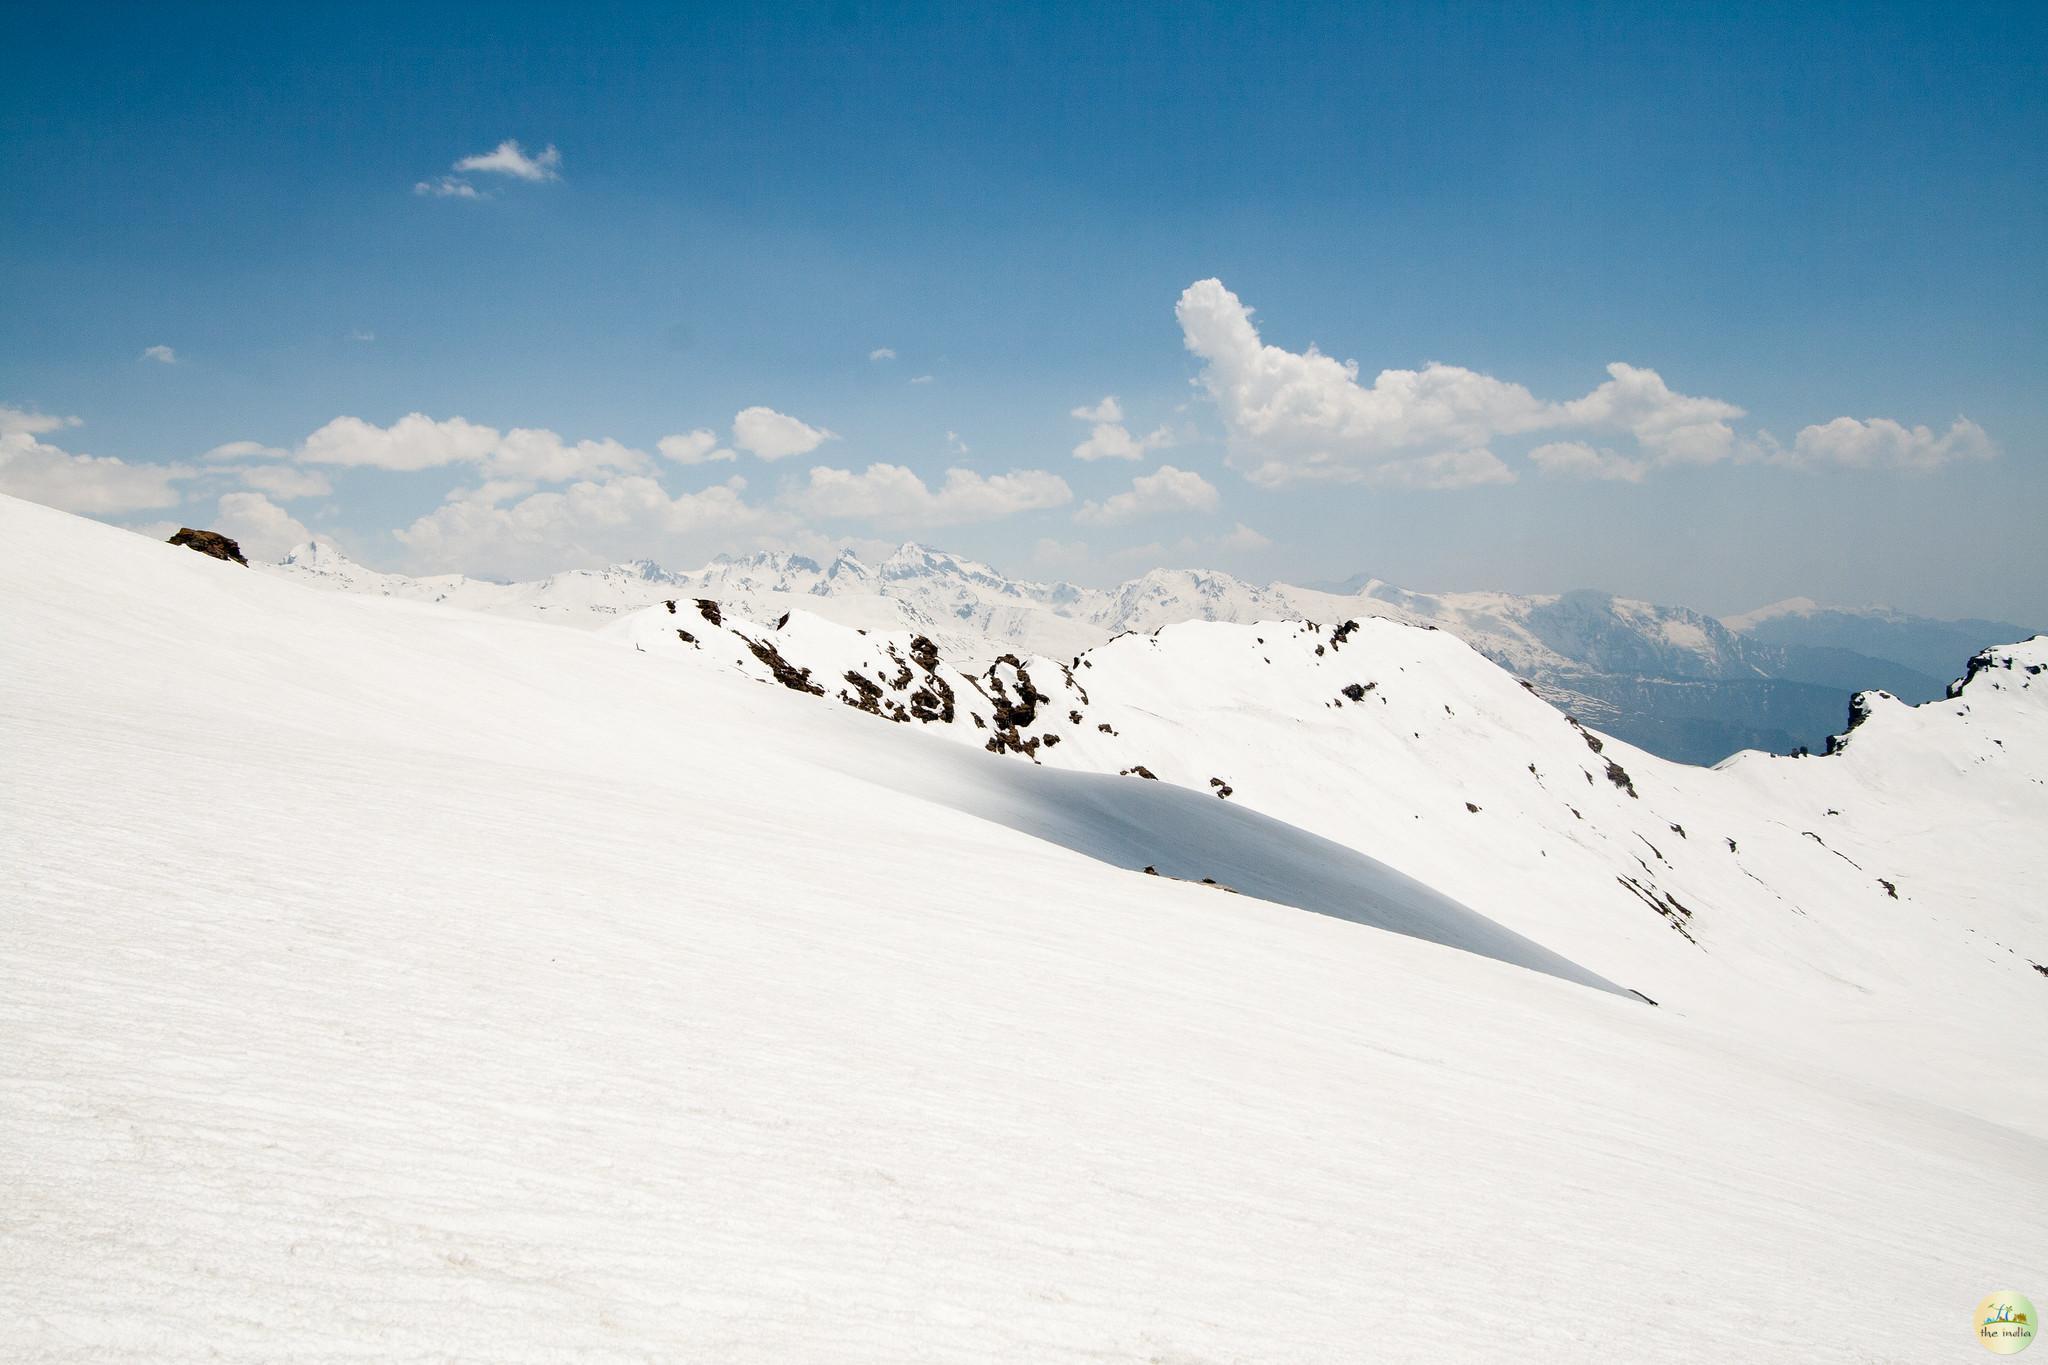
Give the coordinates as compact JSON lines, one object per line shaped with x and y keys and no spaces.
{"x":1291,"y":417}
{"x":893,"y":495}
{"x":94,"y":485}
{"x":694,"y":447}
{"x":590,"y":522}
{"x":245,"y":450}
{"x":447,"y":187}
{"x":162,"y":355}
{"x":1165,"y":489}
{"x":772,"y":435}
{"x":417,"y":441}
{"x":1576,"y":459}
{"x":543,"y":457}
{"x":1112,"y":441}
{"x":1672,"y":428}
{"x":955,"y":445}
{"x":284,"y":481}
{"x":363,"y":334}
{"x":1881,"y":443}
{"x":882,"y":353}
{"x":1301,"y":417}
{"x":1243,"y":537}
{"x":1445,"y":470}
{"x":921,"y":379}
{"x":262,"y":528}
{"x":508,"y":158}
{"x":18,"y":422}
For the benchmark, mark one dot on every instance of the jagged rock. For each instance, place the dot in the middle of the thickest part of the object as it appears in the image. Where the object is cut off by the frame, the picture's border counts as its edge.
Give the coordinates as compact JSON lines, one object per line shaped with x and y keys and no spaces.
{"x":210,"y":543}
{"x":795,"y":679}
{"x":1620,"y":778}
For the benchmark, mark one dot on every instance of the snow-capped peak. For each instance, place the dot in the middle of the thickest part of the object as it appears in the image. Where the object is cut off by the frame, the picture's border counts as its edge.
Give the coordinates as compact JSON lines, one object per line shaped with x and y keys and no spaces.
{"x":318,"y":556}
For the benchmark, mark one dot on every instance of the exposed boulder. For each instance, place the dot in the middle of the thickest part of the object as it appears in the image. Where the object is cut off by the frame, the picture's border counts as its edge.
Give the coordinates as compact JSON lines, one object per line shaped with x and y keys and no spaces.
{"x":210,"y":543}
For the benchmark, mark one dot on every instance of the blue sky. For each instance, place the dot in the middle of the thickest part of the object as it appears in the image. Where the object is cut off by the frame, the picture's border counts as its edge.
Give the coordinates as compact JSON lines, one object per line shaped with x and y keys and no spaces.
{"x":1808,"y":215}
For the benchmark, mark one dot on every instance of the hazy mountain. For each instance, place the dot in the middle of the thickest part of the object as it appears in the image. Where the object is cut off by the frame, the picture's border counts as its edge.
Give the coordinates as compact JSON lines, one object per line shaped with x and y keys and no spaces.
{"x":1925,"y":645}
{"x":1676,"y":681}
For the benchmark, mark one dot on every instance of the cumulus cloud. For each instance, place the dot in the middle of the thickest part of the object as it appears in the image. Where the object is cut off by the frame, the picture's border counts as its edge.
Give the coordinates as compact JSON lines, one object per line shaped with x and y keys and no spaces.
{"x":694,"y":447}
{"x":18,"y":421}
{"x":1447,"y":469}
{"x":1110,"y":439}
{"x":162,"y":355}
{"x":543,"y":457}
{"x":263,"y":529}
{"x":508,"y":158}
{"x":882,"y":353}
{"x":289,"y":482}
{"x":1670,"y":427}
{"x":772,"y":435}
{"x":1576,"y":459}
{"x":1243,"y":537}
{"x":1294,"y":417}
{"x":892,"y":495}
{"x":590,"y":522}
{"x":1881,"y":443}
{"x":95,"y":485}
{"x":417,"y":441}
{"x":1165,"y":489}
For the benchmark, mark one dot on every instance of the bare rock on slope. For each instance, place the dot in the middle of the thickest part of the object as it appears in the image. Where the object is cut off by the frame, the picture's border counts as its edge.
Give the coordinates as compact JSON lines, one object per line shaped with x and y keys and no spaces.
{"x":210,"y":543}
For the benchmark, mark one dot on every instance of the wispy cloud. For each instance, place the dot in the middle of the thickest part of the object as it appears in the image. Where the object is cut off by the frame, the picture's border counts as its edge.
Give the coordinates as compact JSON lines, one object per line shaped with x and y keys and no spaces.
{"x":509,"y":158}
{"x":882,"y":353}
{"x":162,"y":355}
{"x":890,"y":494}
{"x":447,"y":187}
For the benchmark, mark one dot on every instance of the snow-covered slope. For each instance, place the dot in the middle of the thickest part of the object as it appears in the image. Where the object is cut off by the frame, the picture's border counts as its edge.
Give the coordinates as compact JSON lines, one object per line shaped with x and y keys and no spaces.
{"x":1767,"y":891}
{"x":383,"y":981}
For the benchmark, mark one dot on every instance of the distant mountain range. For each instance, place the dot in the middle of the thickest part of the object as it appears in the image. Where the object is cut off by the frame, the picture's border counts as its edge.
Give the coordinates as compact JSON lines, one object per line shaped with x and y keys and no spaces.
{"x":1674,"y":681}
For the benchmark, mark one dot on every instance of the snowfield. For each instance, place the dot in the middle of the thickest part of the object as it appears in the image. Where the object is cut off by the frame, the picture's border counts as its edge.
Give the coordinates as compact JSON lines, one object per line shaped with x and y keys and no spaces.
{"x":382,"y":981}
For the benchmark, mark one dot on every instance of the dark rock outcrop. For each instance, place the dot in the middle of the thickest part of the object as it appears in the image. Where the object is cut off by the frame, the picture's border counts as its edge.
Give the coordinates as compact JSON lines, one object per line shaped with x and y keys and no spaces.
{"x":210,"y":543}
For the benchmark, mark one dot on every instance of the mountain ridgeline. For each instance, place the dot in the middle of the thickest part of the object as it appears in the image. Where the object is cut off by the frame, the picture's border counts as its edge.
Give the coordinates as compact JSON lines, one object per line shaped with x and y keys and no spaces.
{"x":1677,"y":682}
